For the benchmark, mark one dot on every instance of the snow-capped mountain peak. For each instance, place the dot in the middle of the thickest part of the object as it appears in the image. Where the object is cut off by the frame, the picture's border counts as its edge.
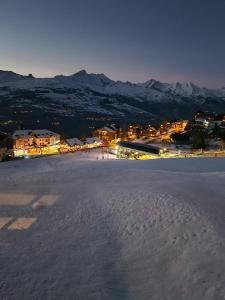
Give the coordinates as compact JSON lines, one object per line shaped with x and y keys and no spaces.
{"x":187,"y":89}
{"x":80,"y":73}
{"x":151,"y":90}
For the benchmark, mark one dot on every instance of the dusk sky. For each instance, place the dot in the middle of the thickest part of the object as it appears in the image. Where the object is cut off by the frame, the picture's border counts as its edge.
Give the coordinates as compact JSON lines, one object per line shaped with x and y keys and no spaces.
{"x":135,"y":40}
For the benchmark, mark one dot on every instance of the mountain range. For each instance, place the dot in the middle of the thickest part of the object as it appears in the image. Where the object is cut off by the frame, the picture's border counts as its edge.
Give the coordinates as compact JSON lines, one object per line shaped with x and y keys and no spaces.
{"x":152,"y":90}
{"x":95,"y":97}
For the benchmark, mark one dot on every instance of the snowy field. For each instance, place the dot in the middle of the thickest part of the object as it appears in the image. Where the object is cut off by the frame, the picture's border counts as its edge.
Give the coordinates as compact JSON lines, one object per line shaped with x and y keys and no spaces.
{"x":77,"y":229}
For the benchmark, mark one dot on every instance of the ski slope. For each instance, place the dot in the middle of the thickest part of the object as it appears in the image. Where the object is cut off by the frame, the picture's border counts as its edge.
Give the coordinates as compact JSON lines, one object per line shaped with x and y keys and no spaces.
{"x":76,"y":228}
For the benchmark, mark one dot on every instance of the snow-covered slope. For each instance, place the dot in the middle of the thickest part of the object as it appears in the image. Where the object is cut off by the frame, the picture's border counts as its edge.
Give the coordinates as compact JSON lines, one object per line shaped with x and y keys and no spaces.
{"x":9,"y":77}
{"x":112,"y":229}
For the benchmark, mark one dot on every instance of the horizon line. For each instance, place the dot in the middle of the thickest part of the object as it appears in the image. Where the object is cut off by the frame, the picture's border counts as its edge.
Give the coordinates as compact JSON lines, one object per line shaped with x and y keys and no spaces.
{"x":116,"y":80}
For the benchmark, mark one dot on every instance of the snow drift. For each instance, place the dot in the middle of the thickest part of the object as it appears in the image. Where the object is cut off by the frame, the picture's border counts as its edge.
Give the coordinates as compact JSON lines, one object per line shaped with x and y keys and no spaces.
{"x":112,"y":229}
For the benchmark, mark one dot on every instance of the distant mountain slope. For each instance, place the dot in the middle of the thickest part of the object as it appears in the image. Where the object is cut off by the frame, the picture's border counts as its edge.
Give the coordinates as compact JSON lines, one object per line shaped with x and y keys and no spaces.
{"x":9,"y":77}
{"x":84,"y":95}
{"x":150,"y":90}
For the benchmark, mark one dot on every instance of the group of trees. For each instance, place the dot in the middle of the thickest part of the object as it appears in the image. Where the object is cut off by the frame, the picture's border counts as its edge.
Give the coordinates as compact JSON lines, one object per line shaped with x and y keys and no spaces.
{"x":199,"y":137}
{"x":222,"y":137}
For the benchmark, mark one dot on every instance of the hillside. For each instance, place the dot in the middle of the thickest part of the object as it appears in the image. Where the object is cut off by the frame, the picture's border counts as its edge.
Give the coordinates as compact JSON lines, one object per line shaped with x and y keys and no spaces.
{"x":92,"y":100}
{"x":112,"y":229}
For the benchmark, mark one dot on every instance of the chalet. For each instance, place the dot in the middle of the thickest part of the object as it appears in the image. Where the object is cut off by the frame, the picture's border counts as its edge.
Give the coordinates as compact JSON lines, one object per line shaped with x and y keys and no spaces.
{"x":35,"y":142}
{"x":164,"y":127}
{"x":179,"y":126}
{"x":75,"y":142}
{"x":71,"y":145}
{"x":93,"y":142}
{"x":151,"y":132}
{"x":106,"y":134}
{"x":134,"y":132}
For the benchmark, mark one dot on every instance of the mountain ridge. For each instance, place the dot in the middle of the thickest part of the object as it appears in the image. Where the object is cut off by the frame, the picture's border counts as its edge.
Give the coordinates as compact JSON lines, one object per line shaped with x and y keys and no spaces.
{"x":101,"y":82}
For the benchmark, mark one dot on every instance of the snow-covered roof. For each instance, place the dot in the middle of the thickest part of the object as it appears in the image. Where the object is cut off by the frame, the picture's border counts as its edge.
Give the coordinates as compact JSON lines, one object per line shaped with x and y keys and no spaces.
{"x":93,"y":140}
{"x":113,"y":126}
{"x":43,"y":132}
{"x":74,"y":142}
{"x":29,"y":132}
{"x":22,"y":133}
{"x":108,"y":129}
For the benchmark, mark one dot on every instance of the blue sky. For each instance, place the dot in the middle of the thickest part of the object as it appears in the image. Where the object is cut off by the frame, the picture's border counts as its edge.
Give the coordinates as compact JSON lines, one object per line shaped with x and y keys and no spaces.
{"x":169,"y":40}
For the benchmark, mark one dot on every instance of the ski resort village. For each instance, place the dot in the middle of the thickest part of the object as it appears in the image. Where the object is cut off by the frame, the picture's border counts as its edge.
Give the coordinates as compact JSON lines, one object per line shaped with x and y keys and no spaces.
{"x":202,"y":136}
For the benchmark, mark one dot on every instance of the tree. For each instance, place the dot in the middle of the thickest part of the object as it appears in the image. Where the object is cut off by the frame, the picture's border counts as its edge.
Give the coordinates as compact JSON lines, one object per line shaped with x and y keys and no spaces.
{"x":222,"y":140}
{"x":181,"y":138}
{"x":200,"y":139}
{"x":216,"y":130}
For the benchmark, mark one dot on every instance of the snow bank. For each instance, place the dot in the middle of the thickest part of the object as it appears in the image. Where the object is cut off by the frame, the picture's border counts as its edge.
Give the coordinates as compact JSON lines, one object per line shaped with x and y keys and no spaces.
{"x":87,"y":229}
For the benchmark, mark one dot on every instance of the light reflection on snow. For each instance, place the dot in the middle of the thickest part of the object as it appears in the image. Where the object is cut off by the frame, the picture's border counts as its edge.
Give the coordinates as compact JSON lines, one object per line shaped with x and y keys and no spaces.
{"x":22,"y":223}
{"x":46,"y":200}
{"x":16,"y":199}
{"x":30,"y":201}
{"x":4,"y":221}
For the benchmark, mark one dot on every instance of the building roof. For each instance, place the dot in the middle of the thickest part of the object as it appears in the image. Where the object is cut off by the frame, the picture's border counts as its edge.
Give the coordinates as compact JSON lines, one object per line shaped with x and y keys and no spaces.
{"x":36,"y":132}
{"x":93,"y":140}
{"x":108,"y":129}
{"x":74,"y":142}
{"x":21,"y":133}
{"x":140,"y":147}
{"x":43,"y":132}
{"x":113,"y":126}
